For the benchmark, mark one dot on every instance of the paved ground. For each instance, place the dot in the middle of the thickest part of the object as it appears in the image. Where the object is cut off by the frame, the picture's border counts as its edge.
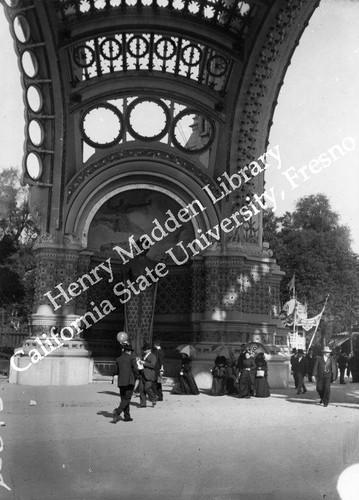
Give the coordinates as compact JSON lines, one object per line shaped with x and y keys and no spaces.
{"x":188,"y":447}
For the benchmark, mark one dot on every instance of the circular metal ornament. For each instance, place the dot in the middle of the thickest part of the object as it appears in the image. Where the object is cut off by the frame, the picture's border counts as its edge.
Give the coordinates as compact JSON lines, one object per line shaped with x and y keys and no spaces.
{"x":21,"y":28}
{"x":167,"y":42}
{"x":176,"y":125}
{"x":84,"y":56}
{"x":29,"y":63}
{"x":103,"y":126}
{"x":33,"y":164}
{"x":35,"y":132}
{"x":193,"y":49}
{"x":147,"y":123}
{"x":137,"y":40}
{"x":217,"y":65}
{"x":107,"y":49}
{"x":34,"y":98}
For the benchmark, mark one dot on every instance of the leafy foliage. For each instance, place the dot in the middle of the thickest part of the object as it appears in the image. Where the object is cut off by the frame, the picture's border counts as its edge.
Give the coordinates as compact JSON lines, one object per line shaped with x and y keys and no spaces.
{"x":17,"y":236}
{"x":312,"y":243}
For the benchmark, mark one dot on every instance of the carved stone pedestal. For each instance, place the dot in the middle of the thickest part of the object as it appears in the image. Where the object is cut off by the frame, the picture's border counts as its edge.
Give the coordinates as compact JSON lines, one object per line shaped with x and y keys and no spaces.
{"x":70,"y":364}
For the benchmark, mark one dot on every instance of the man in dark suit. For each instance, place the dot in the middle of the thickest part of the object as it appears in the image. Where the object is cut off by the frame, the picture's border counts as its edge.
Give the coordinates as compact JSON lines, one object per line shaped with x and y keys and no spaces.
{"x":342,"y":364}
{"x":310,"y":364}
{"x":127,"y":371}
{"x":325,"y":371}
{"x":301,"y":370}
{"x":293,"y":364}
{"x":160,"y":355}
{"x":147,"y":367}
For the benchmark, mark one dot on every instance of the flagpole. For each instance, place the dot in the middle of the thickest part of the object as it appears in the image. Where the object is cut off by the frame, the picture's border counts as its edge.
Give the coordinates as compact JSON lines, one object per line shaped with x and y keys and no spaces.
{"x":292,"y":287}
{"x":294,"y":318}
{"x":316,"y":328}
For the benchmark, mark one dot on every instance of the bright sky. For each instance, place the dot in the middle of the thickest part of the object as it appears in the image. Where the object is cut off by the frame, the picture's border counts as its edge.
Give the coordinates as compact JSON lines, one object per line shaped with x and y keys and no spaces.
{"x":317,"y":108}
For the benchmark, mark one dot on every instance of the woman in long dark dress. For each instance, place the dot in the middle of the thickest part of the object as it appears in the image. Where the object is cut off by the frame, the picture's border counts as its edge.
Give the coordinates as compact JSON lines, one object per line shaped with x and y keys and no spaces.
{"x":186,"y":381}
{"x":246,"y":379}
{"x":231,"y":378}
{"x":261,"y":382}
{"x":219,"y":376}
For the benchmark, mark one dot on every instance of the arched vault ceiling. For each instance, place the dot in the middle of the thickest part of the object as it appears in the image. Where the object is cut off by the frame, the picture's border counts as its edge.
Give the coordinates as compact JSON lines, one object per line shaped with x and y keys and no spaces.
{"x":202,"y":48}
{"x":224,"y":58}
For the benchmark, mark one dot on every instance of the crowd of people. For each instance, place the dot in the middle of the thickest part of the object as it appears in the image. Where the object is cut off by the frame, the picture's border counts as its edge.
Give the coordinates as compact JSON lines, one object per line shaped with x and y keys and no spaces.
{"x":246,"y":377}
{"x":143,"y":375}
{"x":323,"y":370}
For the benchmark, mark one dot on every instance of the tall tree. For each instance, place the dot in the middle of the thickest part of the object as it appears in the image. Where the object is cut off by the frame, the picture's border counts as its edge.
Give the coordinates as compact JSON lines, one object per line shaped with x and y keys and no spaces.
{"x":312,"y":243}
{"x":17,"y":236}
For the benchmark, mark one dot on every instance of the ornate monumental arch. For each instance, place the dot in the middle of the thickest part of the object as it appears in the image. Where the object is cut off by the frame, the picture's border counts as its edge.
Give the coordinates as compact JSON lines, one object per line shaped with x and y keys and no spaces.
{"x":136,"y":110}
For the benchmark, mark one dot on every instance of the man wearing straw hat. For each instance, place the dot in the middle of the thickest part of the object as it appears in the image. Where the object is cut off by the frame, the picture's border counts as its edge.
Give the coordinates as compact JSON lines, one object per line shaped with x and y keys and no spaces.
{"x":325,"y":371}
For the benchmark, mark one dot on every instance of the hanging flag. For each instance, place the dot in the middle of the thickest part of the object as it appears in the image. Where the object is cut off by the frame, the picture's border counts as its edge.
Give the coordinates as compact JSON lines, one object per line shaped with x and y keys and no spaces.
{"x":291,"y":285}
{"x":309,"y":323}
{"x":287,"y":309}
{"x":300,"y":312}
{"x":316,"y":326}
{"x":293,"y":310}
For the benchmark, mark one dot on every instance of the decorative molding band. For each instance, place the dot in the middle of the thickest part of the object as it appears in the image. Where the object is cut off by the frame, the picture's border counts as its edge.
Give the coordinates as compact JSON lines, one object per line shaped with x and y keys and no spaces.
{"x":263,"y":74}
{"x":140,"y":153}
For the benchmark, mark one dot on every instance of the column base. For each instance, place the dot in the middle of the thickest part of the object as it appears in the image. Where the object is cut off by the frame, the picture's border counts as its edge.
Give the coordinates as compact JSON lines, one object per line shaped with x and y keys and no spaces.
{"x":70,"y":364}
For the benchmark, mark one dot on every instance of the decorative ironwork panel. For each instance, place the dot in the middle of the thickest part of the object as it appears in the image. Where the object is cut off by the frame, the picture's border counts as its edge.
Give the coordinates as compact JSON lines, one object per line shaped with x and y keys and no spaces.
{"x":174,"y":292}
{"x":232,"y":284}
{"x":139,"y":317}
{"x":145,"y":119}
{"x":153,"y":52}
{"x":230,"y":15}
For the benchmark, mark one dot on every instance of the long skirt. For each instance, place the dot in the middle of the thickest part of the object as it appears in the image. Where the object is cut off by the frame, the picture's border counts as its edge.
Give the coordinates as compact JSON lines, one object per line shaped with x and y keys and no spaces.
{"x":261,"y":387}
{"x":218,"y":386}
{"x":186,"y":385}
{"x":246,"y":384}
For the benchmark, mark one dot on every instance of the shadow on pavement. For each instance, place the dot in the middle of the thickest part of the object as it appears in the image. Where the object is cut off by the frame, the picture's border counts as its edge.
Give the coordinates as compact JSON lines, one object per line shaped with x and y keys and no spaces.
{"x":110,"y":393}
{"x":105,"y":414}
{"x":341,"y":395}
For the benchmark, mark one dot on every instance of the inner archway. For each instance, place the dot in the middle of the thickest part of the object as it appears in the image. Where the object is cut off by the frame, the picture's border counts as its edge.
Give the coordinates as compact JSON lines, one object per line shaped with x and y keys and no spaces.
{"x":127,"y":215}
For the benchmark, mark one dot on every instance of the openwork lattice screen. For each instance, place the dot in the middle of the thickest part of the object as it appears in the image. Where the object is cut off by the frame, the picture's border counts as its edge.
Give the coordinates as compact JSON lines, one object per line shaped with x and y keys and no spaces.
{"x":149,"y":52}
{"x":232,"y":15}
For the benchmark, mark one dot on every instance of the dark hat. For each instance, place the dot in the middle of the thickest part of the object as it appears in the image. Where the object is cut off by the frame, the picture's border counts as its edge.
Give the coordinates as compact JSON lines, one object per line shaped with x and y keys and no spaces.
{"x":127,"y":347}
{"x":156,"y":342}
{"x":146,"y":346}
{"x":294,"y":349}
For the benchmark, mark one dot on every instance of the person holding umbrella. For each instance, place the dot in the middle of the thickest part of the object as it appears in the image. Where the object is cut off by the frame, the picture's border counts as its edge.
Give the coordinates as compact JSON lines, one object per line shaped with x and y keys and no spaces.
{"x":187,"y":383}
